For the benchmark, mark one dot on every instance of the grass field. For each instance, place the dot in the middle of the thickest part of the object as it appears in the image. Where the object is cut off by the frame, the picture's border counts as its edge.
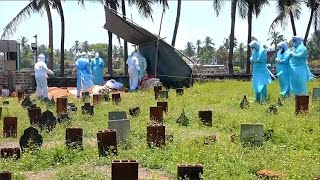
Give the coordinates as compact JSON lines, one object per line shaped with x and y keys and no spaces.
{"x":293,"y":151}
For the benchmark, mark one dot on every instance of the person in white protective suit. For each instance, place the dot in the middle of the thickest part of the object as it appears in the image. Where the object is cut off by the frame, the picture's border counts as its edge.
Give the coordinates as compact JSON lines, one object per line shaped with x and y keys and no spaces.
{"x":41,"y":72}
{"x":84,"y":82}
{"x":142,"y":64}
{"x":134,"y":72}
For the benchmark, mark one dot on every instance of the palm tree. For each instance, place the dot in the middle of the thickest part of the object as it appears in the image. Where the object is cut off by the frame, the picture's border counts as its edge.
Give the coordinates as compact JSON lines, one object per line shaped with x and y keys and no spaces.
{"x":35,"y":6}
{"x":208,"y":42}
{"x":314,"y":5}
{"x":275,"y":38}
{"x":287,"y":9}
{"x":76,"y":47}
{"x":198,"y":46}
{"x":125,"y":46}
{"x":58,"y":6}
{"x":85,"y":46}
{"x":177,"y":24}
{"x":252,"y":7}
{"x":189,"y":51}
{"x":23,"y":41}
{"x":242,"y":12}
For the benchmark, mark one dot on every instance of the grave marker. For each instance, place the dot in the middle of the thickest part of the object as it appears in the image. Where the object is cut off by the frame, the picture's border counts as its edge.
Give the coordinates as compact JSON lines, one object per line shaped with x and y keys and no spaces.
{"x":47,"y":121}
{"x":156,"y":114}
{"x":74,"y":137}
{"x":10,"y":127}
{"x":301,"y":104}
{"x":31,"y":137}
{"x":107,"y":142}
{"x":190,"y":171}
{"x":156,"y":135}
{"x":251,"y":134}
{"x":10,"y":153}
{"x":206,"y":117}
{"x":124,"y":170}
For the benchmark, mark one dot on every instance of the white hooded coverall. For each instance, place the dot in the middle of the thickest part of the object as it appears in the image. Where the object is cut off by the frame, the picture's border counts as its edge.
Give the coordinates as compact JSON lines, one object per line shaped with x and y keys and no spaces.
{"x":133,"y":70}
{"x":40,"y":73}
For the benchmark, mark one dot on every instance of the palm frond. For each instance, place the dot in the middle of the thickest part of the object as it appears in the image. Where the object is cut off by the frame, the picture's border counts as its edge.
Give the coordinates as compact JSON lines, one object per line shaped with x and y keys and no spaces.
{"x":243,"y":8}
{"x":11,"y":28}
{"x":217,"y":4}
{"x":144,"y":7}
{"x":281,"y":19}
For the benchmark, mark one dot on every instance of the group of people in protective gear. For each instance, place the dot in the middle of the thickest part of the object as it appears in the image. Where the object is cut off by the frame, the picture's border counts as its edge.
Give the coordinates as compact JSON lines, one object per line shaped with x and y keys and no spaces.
{"x":137,"y":66}
{"x":292,"y":68}
{"x":89,"y":73}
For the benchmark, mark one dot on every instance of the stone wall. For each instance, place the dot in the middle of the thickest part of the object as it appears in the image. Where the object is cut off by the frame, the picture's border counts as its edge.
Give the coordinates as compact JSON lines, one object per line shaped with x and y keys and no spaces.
{"x":16,"y":80}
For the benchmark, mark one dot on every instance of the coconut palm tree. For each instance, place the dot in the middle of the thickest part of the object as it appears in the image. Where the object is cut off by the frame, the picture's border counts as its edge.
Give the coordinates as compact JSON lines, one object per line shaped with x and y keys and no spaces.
{"x":199,"y":42}
{"x":57,"y":5}
{"x":253,"y":7}
{"x":275,"y":38}
{"x":189,"y":51}
{"x":208,"y":44}
{"x":314,"y":6}
{"x":35,"y":6}
{"x":23,"y":41}
{"x":287,"y":10}
{"x":76,"y":47}
{"x":176,"y":24}
{"x":85,"y":46}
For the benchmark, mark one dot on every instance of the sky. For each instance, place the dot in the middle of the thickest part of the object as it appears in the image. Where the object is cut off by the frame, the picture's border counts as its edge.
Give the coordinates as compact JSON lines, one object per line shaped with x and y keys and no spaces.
{"x":197,"y":21}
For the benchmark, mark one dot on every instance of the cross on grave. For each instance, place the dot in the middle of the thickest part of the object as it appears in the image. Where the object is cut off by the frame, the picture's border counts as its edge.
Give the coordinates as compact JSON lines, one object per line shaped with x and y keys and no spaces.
{"x":47,"y":121}
{"x":183,"y":120}
{"x":30,"y":137}
{"x":87,"y":109}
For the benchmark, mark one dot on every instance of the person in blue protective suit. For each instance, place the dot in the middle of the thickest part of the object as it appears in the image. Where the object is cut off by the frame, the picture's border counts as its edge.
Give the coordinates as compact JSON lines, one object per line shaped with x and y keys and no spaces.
{"x":282,"y":66}
{"x":97,"y":69}
{"x":134,"y":72}
{"x":260,"y":73}
{"x":299,"y":70}
{"x":84,"y":82}
{"x":41,"y":72}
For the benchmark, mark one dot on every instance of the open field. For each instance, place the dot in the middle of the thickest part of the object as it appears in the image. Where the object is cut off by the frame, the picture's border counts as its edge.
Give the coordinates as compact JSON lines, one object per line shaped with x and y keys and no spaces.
{"x":293,"y":151}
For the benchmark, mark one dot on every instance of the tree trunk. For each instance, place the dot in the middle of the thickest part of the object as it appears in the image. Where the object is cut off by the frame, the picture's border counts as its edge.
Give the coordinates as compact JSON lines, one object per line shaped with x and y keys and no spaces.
{"x":233,"y":21}
{"x":177,"y":24}
{"x":308,"y":27}
{"x":62,"y":38}
{"x":250,"y":10}
{"x":50,"y":49}
{"x":125,"y":46}
{"x":292,"y":23}
{"x":110,"y":53}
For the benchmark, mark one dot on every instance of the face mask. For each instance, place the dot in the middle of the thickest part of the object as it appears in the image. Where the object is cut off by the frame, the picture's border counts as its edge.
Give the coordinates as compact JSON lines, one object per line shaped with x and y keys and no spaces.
{"x":280,"y":49}
{"x":252,"y":49}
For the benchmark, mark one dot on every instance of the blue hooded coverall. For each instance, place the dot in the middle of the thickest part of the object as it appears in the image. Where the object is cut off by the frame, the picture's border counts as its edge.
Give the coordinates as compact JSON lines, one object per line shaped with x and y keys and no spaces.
{"x":97,"y":66}
{"x":299,"y":70}
{"x":282,"y":66}
{"x":83,"y":75}
{"x":260,"y":73}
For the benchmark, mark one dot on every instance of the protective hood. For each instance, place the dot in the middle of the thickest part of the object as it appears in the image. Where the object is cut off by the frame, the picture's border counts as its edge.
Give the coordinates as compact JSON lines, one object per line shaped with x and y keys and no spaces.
{"x":41,"y":58}
{"x":255,"y":44}
{"x":297,"y":40}
{"x":282,"y":45}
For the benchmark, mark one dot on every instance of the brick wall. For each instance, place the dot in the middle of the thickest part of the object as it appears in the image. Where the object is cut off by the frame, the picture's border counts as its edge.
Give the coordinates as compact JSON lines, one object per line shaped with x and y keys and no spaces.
{"x":20,"y":80}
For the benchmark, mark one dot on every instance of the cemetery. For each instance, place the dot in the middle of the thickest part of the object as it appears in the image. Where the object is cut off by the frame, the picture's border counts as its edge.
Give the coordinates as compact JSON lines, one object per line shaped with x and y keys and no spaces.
{"x":198,"y":132}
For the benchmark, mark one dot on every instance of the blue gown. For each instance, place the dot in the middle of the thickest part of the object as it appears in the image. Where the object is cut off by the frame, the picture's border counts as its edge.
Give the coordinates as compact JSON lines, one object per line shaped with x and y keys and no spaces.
{"x":97,"y":67}
{"x":299,"y":71}
{"x":83,"y":75}
{"x":283,"y":72}
{"x":260,"y":74}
